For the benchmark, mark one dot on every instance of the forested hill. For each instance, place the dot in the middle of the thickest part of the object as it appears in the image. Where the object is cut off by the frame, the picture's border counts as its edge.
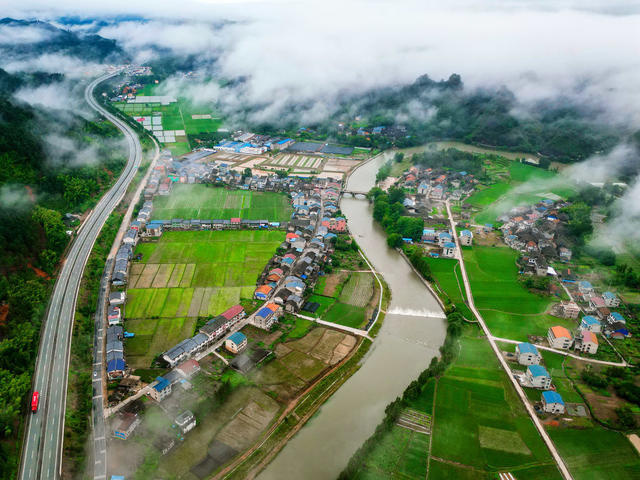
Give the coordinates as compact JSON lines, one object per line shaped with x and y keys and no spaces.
{"x":45,"y":38}
{"x":434,"y":110}
{"x":38,"y":186}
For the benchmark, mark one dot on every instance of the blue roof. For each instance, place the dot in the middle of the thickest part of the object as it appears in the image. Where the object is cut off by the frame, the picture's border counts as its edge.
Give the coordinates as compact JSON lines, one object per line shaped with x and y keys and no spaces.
{"x":283,"y":141}
{"x":590,"y":320}
{"x":538,"y":371}
{"x":552,"y":397}
{"x":116,"y":364}
{"x":463,"y":173}
{"x":444,"y":234}
{"x":237,"y":338}
{"x":617,"y":316}
{"x":609,"y":295}
{"x":465,"y":233}
{"x":449,"y":245}
{"x":264,"y":312}
{"x":428,"y":230}
{"x":585,"y":284}
{"x":162,"y":384}
{"x":525,"y":347}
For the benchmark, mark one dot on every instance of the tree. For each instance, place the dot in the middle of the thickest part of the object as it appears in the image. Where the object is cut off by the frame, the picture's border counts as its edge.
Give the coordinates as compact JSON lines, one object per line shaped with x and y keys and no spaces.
{"x":247,"y":172}
{"x":394,"y":240}
{"x":410,"y":227}
{"x":398,"y":157}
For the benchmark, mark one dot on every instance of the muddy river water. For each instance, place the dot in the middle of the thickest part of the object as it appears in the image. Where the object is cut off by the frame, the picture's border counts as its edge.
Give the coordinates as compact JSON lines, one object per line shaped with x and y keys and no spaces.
{"x":412,"y":332}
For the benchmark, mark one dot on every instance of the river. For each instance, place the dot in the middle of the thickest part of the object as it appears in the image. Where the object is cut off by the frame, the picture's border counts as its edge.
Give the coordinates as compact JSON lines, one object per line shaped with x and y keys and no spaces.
{"x":413,"y":330}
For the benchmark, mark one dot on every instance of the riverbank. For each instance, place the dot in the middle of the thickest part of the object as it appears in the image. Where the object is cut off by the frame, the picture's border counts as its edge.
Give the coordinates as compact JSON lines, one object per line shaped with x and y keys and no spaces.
{"x":412,"y":333}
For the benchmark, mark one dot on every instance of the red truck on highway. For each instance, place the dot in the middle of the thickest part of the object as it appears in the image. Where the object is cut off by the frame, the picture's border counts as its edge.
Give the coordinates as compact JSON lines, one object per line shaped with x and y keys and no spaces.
{"x":34,"y":402}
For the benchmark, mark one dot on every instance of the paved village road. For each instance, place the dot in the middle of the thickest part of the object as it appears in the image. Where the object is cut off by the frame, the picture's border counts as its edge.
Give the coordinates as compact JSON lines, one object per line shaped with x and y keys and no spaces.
{"x":523,"y":397}
{"x":43,"y":441}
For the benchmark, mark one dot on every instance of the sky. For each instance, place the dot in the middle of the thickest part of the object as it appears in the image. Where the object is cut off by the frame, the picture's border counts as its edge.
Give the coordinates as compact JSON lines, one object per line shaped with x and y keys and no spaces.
{"x":304,"y":51}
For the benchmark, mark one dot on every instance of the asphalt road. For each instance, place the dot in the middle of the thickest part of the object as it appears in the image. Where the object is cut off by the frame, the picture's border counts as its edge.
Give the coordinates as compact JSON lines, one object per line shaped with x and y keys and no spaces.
{"x":42,"y":447}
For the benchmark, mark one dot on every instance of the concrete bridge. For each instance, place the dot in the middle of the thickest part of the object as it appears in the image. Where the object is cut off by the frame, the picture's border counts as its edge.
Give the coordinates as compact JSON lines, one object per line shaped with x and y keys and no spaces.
{"x":354,"y":192}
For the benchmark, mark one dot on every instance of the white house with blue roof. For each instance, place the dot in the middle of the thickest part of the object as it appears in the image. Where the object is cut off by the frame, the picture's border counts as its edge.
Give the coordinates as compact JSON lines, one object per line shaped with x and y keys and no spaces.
{"x":585,"y":288}
{"x":590,"y":323}
{"x":444,"y":237}
{"x":552,"y":402}
{"x":160,"y":389}
{"x":466,"y":238}
{"x":527,"y":354}
{"x":611,"y":299}
{"x":235,"y":342}
{"x":449,"y":250}
{"x":616,"y":317}
{"x":538,"y":376}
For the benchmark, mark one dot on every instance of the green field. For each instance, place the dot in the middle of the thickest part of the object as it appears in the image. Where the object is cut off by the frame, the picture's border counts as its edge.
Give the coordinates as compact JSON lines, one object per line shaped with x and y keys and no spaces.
{"x":449,"y":280}
{"x":596,"y":453}
{"x":345,"y":314}
{"x":188,"y":275}
{"x":526,"y":185}
{"x":509,"y":309}
{"x":205,"y":202}
{"x":479,"y":426}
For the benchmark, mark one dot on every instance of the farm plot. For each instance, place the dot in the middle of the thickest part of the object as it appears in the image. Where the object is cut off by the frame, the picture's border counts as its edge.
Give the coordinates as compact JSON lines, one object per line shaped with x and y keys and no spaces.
{"x":212,"y":272}
{"x":204,"y":202}
{"x":299,"y":361}
{"x":358,"y":290}
{"x":510,"y":310}
{"x":477,"y":427}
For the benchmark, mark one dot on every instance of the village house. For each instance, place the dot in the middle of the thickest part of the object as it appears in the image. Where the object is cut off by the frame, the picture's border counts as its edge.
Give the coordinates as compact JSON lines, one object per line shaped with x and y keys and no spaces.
{"x":188,"y":368}
{"x":466,"y":238}
{"x":114,"y":316}
{"x":585,"y":288}
{"x":538,"y":377}
{"x":235,"y":342}
{"x":160,"y":389}
{"x":552,"y":402}
{"x":293,"y":303}
{"x":186,"y":421}
{"x":266,"y":316}
{"x":590,"y":324}
{"x":126,"y":425}
{"x":568,"y":309}
{"x":444,"y":237}
{"x":214,"y":327}
{"x":115,"y":368}
{"x":527,"y":354}
{"x":596,"y":303}
{"x":611,"y":300}
{"x":559,"y":337}
{"x":117,"y":298}
{"x":449,"y":250}
{"x":586,"y":342}
{"x":263,"y":292}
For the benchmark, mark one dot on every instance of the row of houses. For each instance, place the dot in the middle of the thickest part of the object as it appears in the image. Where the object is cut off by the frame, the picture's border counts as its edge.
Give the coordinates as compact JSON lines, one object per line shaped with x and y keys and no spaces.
{"x":207,"y":335}
{"x":444,"y":239}
{"x":438,"y":184}
{"x":537,"y":376}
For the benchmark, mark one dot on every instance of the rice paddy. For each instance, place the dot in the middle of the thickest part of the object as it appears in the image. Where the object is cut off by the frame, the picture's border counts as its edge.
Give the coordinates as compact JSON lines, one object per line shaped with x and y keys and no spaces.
{"x":205,"y":202}
{"x":186,"y":275}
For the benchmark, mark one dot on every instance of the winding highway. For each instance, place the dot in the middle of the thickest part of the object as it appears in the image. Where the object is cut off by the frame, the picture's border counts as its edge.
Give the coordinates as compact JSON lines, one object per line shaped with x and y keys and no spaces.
{"x":43,"y":441}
